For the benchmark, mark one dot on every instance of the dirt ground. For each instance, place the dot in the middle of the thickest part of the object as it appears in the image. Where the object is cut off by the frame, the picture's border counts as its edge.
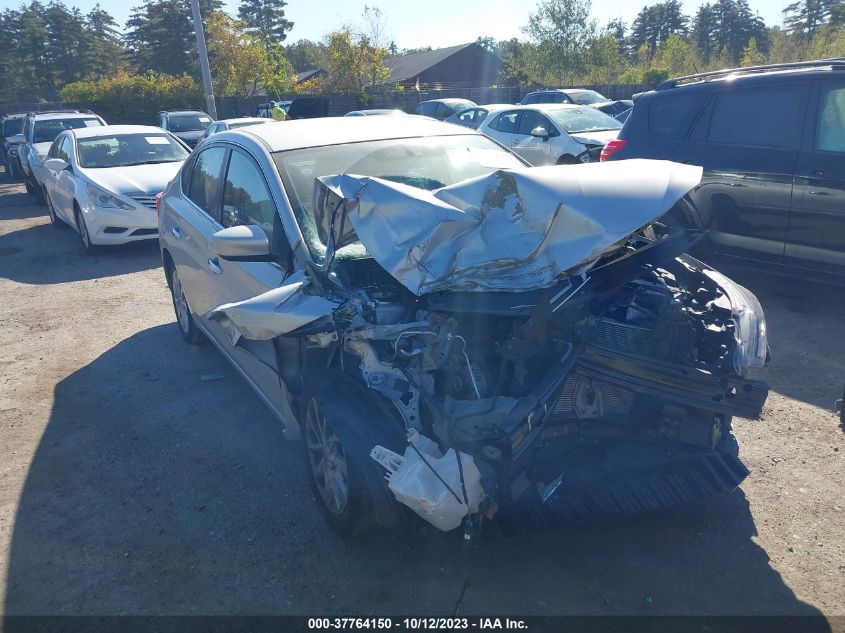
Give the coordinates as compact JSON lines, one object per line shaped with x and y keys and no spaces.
{"x":130,"y":483}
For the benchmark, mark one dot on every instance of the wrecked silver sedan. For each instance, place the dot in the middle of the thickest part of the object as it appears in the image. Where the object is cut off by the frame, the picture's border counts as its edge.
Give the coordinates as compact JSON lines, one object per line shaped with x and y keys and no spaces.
{"x":457,"y":336}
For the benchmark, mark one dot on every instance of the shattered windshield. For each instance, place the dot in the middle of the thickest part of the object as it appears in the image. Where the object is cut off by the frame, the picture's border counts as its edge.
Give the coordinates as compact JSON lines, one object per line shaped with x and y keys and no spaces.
{"x":425,"y":163}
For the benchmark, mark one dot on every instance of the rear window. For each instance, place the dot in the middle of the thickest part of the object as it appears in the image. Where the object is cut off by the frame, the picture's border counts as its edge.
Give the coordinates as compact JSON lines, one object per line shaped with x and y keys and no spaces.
{"x":759,"y":117}
{"x":12,"y":127}
{"x":669,"y":115}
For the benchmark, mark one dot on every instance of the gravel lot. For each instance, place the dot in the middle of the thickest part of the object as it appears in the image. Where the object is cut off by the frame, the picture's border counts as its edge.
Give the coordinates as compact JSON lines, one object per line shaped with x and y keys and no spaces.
{"x":130,"y":485}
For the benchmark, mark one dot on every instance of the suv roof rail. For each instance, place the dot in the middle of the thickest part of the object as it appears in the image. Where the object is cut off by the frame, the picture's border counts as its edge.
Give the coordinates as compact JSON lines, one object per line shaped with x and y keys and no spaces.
{"x":836,"y":62}
{"x":74,"y":111}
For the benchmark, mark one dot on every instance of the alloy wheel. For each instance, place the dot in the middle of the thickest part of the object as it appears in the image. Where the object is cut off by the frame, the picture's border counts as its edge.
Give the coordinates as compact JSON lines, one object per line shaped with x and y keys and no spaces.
{"x":326,"y":459}
{"x":180,"y":304}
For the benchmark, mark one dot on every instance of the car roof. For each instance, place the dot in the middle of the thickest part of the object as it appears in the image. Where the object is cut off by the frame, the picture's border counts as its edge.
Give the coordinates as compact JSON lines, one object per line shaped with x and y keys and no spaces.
{"x":242,"y":119}
{"x":105,"y":130}
{"x":448,"y":101}
{"x":281,"y":136}
{"x":15,"y":115}
{"x":548,"y":106}
{"x":183,"y":112}
{"x":47,"y":116}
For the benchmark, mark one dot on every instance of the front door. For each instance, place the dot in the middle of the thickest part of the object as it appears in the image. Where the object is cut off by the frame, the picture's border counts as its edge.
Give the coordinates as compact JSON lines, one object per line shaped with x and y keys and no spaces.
{"x":816,"y":235}
{"x":536,"y":150}
{"x":246,"y":199}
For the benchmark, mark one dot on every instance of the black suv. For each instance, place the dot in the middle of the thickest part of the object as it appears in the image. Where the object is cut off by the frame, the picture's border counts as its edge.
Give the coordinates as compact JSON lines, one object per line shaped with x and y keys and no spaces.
{"x":771,"y":140}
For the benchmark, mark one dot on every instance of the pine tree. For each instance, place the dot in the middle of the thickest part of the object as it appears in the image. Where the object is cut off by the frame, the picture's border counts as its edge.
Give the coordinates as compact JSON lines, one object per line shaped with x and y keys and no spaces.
{"x":266,"y":19}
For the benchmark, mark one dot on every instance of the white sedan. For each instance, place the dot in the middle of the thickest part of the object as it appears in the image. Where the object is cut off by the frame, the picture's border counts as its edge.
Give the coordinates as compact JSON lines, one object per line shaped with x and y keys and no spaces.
{"x":103,"y":181}
{"x":552,"y":133}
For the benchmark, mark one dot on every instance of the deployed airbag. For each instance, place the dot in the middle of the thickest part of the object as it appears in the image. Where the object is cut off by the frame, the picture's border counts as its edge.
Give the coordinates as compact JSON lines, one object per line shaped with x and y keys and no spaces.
{"x":512,"y":230}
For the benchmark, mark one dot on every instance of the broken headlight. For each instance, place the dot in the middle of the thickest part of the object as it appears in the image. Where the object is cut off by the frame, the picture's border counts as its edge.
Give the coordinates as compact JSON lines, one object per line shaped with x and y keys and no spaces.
{"x":752,"y":347}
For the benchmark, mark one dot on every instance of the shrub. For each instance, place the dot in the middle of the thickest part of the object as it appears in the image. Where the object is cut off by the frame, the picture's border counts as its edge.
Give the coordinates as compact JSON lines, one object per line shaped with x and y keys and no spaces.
{"x":126,"y":98}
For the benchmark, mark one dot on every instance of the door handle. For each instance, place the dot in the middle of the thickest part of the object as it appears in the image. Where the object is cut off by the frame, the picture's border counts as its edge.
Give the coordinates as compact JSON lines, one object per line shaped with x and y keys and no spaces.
{"x":818,"y":173}
{"x":820,"y":193}
{"x":176,"y":232}
{"x":214,"y":266}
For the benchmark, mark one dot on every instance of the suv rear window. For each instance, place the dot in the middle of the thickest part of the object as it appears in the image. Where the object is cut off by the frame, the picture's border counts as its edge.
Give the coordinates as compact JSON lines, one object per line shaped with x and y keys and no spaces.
{"x":669,"y":115}
{"x":759,"y":117}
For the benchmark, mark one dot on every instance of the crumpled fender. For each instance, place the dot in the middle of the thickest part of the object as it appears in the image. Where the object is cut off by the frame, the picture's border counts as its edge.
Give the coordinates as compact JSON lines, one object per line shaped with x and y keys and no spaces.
{"x":273,"y":313}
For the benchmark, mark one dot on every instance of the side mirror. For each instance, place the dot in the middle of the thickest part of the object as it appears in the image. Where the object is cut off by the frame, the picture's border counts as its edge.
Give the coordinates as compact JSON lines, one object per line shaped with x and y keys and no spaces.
{"x":540,"y":132}
{"x":19,"y":138}
{"x":241,"y":242}
{"x":56,"y":164}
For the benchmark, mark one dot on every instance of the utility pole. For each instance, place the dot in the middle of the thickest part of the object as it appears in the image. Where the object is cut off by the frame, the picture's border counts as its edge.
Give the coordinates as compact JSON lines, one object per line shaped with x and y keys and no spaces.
{"x":203,"y":53}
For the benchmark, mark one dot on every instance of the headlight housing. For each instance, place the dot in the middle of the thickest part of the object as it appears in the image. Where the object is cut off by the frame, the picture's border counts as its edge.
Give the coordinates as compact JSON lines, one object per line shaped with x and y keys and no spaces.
{"x":106,"y":200}
{"x":752,"y":346}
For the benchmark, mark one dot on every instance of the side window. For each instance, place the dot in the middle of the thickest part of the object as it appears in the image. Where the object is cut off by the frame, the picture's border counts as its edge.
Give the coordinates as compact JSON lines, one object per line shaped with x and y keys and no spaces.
{"x":246,"y":199}
{"x":425,"y":109}
{"x":205,"y":178}
{"x":467,"y":116}
{"x":163,"y":121}
{"x":65,"y":148}
{"x":529,"y":121}
{"x":54,"y":148}
{"x":748,"y":117}
{"x":830,"y":127}
{"x":507,"y":122}
{"x":669,"y":116}
{"x":532,"y":98}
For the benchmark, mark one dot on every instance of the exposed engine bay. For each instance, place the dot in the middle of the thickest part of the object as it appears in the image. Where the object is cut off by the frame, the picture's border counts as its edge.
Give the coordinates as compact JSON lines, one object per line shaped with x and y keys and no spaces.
{"x":611,"y":390}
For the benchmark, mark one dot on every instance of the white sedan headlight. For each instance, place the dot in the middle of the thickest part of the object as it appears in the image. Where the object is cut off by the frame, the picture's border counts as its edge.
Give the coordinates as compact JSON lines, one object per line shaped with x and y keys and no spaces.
{"x":752,"y":346}
{"x":102,"y":198}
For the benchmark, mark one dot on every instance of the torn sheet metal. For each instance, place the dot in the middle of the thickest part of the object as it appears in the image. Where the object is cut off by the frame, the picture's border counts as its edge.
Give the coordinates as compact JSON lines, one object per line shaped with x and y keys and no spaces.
{"x":272,"y":313}
{"x":513,"y":230}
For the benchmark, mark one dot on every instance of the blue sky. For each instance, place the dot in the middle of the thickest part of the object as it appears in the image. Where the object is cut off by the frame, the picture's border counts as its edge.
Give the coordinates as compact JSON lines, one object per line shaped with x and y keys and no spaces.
{"x":432,"y":23}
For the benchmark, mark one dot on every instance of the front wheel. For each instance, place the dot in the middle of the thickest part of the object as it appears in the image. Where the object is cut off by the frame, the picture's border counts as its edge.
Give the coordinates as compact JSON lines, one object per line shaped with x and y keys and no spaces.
{"x":187,"y":327}
{"x":90,"y":249}
{"x":51,"y":211}
{"x":342,"y":423}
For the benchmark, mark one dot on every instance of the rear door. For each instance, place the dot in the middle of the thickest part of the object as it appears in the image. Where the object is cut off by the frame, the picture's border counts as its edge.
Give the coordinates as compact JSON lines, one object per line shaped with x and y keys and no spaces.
{"x":747,"y":139}
{"x":503,"y":127}
{"x":816,"y":235}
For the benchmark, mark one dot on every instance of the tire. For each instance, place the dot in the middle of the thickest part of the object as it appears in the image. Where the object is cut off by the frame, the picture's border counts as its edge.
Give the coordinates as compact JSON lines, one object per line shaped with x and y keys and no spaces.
{"x":29,"y":189}
{"x":51,"y":211}
{"x":82,"y":228}
{"x":342,"y":422}
{"x":566,"y":159}
{"x":184,"y":319}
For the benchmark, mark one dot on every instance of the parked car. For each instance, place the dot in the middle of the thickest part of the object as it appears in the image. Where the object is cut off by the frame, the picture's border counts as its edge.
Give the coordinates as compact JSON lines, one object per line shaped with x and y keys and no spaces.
{"x":40,"y":129}
{"x":771,"y":140}
{"x":103,"y":181}
{"x":480,"y":316}
{"x":263,"y":109}
{"x":552,"y":134}
{"x":233,"y":124}
{"x":308,"y":108}
{"x":376,"y":112}
{"x":441,"y":109}
{"x":11,"y":125}
{"x":578,"y":96}
{"x":187,"y":125}
{"x":614,"y":108}
{"x":472,"y":117}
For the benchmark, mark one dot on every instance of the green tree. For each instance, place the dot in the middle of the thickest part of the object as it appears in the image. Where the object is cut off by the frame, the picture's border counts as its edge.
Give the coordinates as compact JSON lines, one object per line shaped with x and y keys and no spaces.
{"x":266,"y":19}
{"x":559,"y":30}
{"x":160,"y":35}
{"x":751,"y":55}
{"x":605,"y":63}
{"x":676,"y":56}
{"x":805,"y":17}
{"x":353,"y":64}
{"x":305,"y":55}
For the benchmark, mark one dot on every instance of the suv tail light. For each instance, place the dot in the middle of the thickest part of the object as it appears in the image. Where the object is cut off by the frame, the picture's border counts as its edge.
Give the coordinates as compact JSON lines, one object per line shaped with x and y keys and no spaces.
{"x":611,"y":148}
{"x":158,"y":204}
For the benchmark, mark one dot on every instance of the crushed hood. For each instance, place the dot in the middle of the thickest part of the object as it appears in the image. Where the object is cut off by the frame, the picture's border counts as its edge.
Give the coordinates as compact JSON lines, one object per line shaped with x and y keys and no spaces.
{"x":512,"y":230}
